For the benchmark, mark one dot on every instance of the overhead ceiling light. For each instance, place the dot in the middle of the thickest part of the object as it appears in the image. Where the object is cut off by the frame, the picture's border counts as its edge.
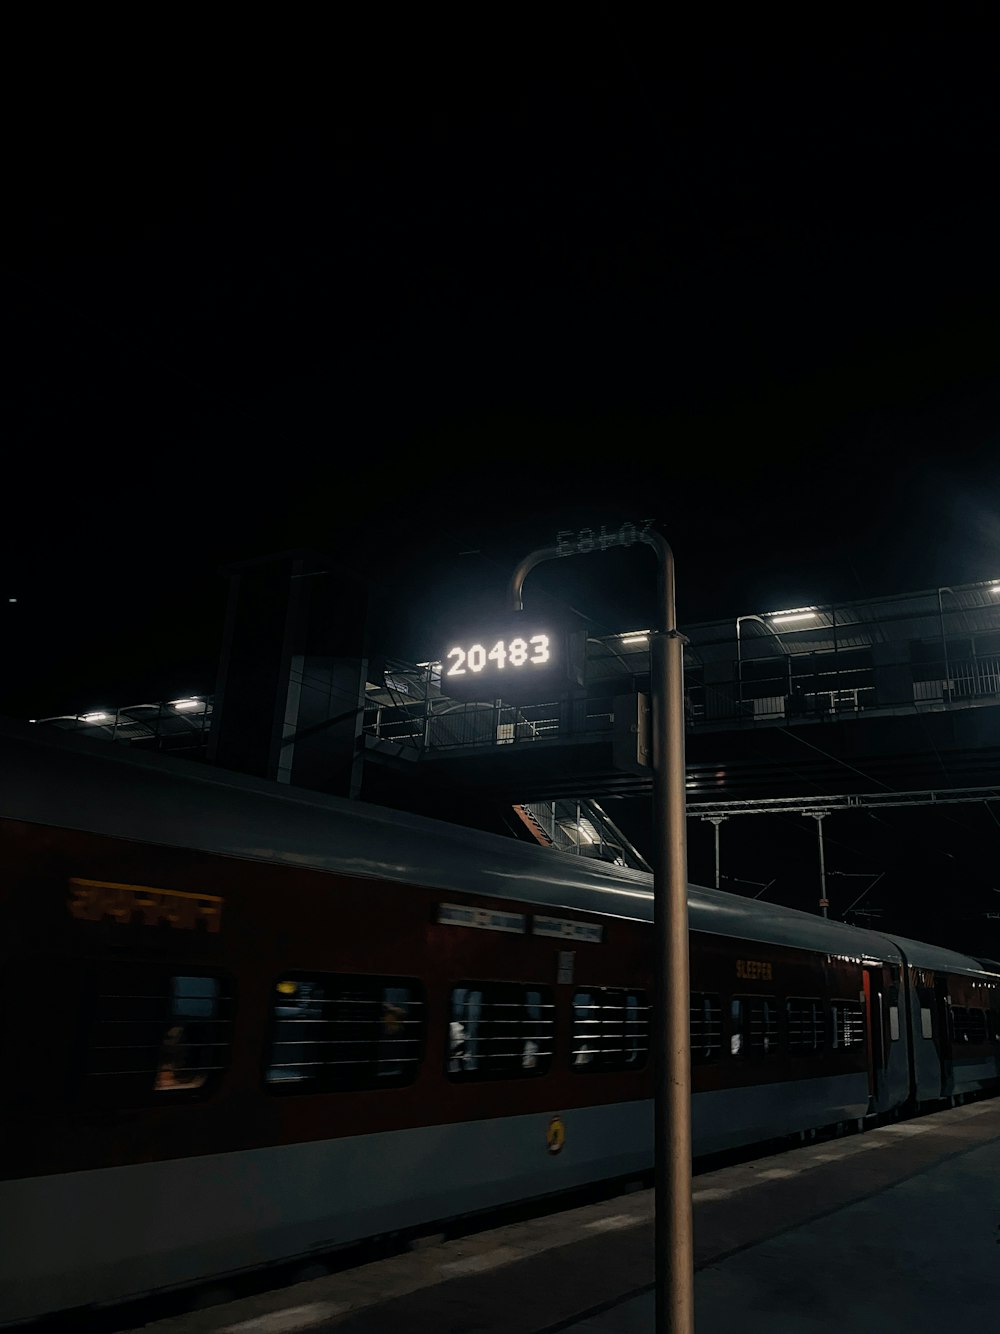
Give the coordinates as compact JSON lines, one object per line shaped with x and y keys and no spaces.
{"x":786,"y":617}
{"x":638,"y":638}
{"x":95,"y":717}
{"x":185,"y":704}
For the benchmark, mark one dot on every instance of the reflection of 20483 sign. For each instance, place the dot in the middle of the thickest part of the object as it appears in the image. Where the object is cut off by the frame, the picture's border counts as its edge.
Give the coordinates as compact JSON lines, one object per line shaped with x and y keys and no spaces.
{"x":569,"y":543}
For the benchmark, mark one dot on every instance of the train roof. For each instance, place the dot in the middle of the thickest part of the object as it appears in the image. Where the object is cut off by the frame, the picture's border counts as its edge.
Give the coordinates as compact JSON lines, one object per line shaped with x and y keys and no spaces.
{"x":922,"y":955}
{"x":77,"y":783}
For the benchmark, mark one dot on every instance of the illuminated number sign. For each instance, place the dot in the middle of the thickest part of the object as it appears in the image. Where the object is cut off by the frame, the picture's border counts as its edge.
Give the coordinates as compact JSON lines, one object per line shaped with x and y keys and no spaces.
{"x":518,"y":660}
{"x":513,"y":653}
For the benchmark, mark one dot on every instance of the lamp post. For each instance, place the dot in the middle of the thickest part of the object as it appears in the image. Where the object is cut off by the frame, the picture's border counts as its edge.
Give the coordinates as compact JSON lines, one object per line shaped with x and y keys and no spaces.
{"x":824,"y":902}
{"x":674,"y":1246}
{"x":716,"y":820}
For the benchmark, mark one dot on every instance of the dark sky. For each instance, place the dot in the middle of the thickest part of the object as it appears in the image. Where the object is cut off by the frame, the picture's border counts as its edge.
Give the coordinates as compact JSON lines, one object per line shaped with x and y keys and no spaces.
{"x":418,"y":286}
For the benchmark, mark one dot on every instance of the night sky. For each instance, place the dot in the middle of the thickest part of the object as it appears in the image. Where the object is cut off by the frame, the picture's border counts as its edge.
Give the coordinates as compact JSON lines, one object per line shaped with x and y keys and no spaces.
{"x":422,"y":291}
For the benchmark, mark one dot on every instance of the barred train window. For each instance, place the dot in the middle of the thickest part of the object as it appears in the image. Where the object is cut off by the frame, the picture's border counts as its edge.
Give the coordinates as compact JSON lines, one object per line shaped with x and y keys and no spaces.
{"x":848,"y":1023}
{"x":500,"y":1030}
{"x":967,"y":1025}
{"x":754,"y":1026}
{"x":958,"y":1023}
{"x":805,"y":1025}
{"x":156,"y":1033}
{"x":610,"y":1029}
{"x":977,"y":1025}
{"x":736,"y":1045}
{"x":706,"y":1028}
{"x":334,"y":1032}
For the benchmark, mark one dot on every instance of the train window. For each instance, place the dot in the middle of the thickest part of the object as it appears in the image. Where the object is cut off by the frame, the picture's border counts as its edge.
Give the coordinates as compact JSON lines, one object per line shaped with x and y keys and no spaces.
{"x":706,"y":1028}
{"x":978,"y":1025}
{"x":762,"y":1025}
{"x":336,"y":1032}
{"x":155,"y":1033}
{"x":968,"y":1024}
{"x":754,"y":1026}
{"x":848,"y":1023}
{"x":500,"y":1030}
{"x":894,"y":1023}
{"x":736,"y":1041}
{"x":805,"y":1025}
{"x":610,"y":1029}
{"x":958,"y":1022}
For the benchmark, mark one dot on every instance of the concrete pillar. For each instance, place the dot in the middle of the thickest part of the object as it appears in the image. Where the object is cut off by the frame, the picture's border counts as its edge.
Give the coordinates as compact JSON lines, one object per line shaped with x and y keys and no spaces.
{"x":289,"y":699}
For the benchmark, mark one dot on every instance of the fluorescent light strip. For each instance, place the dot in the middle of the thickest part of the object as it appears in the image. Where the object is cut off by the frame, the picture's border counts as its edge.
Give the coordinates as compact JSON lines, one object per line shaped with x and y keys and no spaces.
{"x":786,"y":618}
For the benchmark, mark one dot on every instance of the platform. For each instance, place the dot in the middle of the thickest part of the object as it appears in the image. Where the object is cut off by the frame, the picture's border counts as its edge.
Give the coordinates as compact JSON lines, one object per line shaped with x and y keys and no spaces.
{"x":894,"y":1229}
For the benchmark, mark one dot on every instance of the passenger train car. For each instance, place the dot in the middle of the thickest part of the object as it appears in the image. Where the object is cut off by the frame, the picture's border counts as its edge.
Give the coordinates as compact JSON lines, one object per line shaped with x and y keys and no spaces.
{"x":243,"y":1023}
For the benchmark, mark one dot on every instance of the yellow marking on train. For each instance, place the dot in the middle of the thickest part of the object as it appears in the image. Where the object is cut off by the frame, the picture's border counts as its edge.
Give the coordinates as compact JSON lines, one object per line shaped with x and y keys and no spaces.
{"x":555,"y":1136}
{"x":93,"y":900}
{"x":753,"y":970}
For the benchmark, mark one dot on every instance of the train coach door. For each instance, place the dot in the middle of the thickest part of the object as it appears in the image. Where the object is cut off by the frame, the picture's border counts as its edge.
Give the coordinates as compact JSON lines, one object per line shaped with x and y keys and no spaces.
{"x":875,"y":1021}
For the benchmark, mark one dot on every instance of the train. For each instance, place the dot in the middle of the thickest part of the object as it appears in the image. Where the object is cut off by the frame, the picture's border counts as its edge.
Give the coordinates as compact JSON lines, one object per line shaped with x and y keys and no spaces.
{"x":243,"y":1023}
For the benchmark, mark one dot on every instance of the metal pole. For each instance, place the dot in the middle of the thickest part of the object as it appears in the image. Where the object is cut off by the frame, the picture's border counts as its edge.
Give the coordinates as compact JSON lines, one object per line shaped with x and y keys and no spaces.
{"x":824,"y":902}
{"x":671,"y":1027}
{"x":739,"y":670}
{"x":717,"y":820}
{"x":427,"y":708}
{"x":672,"y":1135}
{"x":836,"y":654}
{"x":946,"y":692}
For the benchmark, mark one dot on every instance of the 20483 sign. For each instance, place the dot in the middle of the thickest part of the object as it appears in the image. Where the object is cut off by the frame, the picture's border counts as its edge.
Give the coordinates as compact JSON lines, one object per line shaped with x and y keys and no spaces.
{"x":536,"y":651}
{"x":516,"y":660}
{"x":523,"y":659}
